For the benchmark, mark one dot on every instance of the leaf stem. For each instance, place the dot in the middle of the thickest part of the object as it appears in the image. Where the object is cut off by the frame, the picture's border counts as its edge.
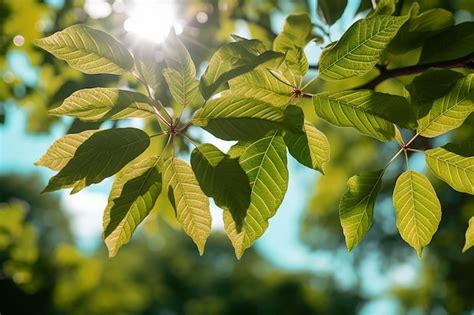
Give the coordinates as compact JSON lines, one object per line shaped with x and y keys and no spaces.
{"x":393,"y":158}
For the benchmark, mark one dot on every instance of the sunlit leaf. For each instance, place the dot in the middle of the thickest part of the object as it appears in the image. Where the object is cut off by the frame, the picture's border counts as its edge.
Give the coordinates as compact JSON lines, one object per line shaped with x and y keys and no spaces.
{"x":99,"y":104}
{"x":231,"y":60}
{"x":88,"y":50}
{"x":181,"y":72}
{"x":101,"y":155}
{"x":261,"y":85}
{"x":131,"y":199}
{"x":62,"y":150}
{"x":296,"y":33}
{"x":449,"y":111}
{"x":469,"y":236}
{"x":418,"y":209}
{"x":370,"y":112}
{"x":454,"y":164}
{"x":236,"y":118}
{"x":190,"y":203}
{"x":264,"y":162}
{"x":357,"y":206}
{"x":360,"y":48}
{"x":310,"y":148}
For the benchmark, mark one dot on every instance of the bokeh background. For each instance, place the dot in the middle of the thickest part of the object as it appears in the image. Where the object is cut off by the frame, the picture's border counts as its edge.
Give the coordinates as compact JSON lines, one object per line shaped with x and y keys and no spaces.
{"x":52,"y":260}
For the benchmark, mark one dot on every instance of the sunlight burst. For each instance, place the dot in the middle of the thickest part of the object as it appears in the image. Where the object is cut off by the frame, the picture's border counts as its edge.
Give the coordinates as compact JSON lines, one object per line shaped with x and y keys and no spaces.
{"x":152,"y":20}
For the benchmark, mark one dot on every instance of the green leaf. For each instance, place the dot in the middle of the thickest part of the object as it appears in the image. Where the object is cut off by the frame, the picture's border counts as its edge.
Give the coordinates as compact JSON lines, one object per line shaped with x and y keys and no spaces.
{"x":360,"y":48}
{"x":101,"y":155}
{"x":88,"y":50}
{"x":262,"y":85}
{"x":310,"y":148}
{"x":453,"y":43}
{"x":371,"y":113}
{"x":62,"y":151}
{"x":264,"y":162}
{"x":449,"y":111}
{"x":181,"y":72}
{"x":430,"y":85}
{"x":420,"y":28}
{"x":330,"y":11}
{"x":100,"y":104}
{"x":296,"y":33}
{"x":469,"y":236}
{"x":231,"y":60}
{"x":149,"y":64}
{"x":131,"y":199}
{"x":418,"y":209}
{"x":222,"y":178}
{"x":454,"y":164}
{"x":357,"y":206}
{"x":190,"y":203}
{"x":234,"y":118}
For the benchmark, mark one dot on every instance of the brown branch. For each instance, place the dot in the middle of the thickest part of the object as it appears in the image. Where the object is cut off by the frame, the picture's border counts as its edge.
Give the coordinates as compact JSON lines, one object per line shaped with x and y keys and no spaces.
{"x":464,"y":62}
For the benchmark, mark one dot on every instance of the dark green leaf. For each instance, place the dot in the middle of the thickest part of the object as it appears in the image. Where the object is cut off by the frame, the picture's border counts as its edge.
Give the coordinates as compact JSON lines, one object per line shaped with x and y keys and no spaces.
{"x":101,"y":155}
{"x":331,"y":10}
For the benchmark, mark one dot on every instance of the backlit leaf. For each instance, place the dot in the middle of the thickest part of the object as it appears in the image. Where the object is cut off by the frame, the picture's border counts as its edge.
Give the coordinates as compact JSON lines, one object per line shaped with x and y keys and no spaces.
{"x":360,"y":48}
{"x":449,"y":111}
{"x":469,"y":236}
{"x":190,"y":203}
{"x":88,"y":50}
{"x":231,"y":60}
{"x":131,"y":199}
{"x":101,"y":155}
{"x":418,"y":209}
{"x":357,"y":206}
{"x":454,"y":164}
{"x":264,"y":162}
{"x":310,"y":148}
{"x":235,"y":118}
{"x":99,"y":104}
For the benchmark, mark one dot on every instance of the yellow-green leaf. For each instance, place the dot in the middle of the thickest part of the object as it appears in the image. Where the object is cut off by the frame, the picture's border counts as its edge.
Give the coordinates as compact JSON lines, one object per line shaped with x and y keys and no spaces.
{"x":131,"y":199}
{"x":449,"y":111}
{"x":360,"y":48}
{"x":418,"y":209}
{"x":357,"y":206}
{"x":88,"y":50}
{"x":454,"y":165}
{"x":469,"y":236}
{"x":310,"y":148}
{"x":264,"y":162}
{"x":99,"y":104}
{"x":190,"y":203}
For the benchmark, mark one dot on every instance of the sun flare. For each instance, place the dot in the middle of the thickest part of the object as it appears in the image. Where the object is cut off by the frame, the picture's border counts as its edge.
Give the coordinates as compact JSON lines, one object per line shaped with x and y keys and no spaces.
{"x":152,"y":20}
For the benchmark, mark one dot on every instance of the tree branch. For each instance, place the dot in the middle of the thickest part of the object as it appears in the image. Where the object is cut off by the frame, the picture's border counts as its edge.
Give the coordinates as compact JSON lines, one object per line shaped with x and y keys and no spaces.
{"x":464,"y":62}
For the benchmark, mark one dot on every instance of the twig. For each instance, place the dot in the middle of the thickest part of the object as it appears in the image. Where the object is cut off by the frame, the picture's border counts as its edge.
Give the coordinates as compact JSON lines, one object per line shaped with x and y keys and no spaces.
{"x":464,"y":62}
